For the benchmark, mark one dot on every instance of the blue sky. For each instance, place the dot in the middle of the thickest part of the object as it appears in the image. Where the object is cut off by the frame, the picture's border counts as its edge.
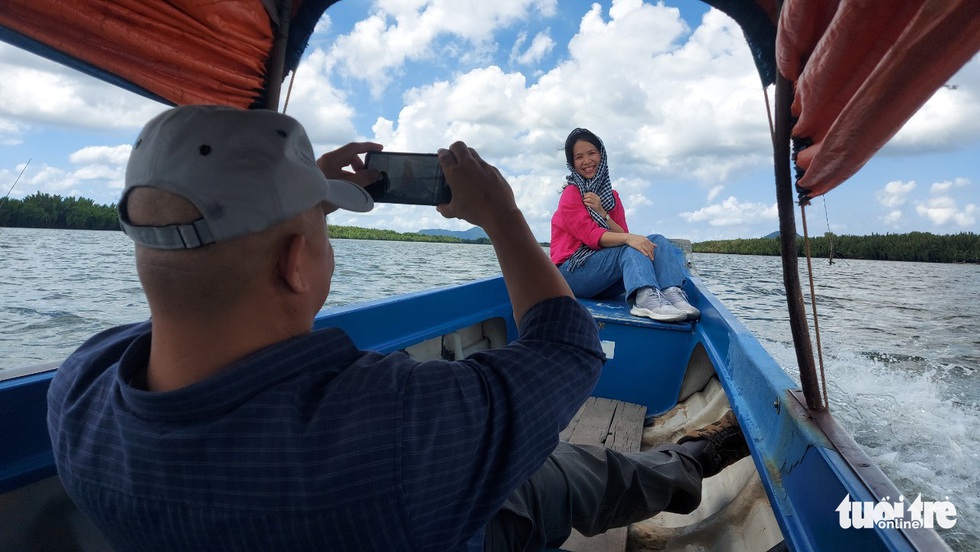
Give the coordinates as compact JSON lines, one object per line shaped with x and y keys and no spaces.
{"x":670,"y":88}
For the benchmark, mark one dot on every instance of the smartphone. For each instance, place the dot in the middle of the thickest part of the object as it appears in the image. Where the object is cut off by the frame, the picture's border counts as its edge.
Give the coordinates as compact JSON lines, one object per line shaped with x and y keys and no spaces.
{"x":408,"y":178}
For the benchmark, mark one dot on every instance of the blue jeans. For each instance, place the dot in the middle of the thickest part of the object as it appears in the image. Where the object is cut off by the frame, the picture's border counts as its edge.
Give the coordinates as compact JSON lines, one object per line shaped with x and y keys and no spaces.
{"x":612,"y":270}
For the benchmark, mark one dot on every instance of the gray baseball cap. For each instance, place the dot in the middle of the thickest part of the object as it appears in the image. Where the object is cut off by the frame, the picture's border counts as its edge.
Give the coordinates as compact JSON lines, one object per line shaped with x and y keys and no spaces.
{"x":244,"y":170}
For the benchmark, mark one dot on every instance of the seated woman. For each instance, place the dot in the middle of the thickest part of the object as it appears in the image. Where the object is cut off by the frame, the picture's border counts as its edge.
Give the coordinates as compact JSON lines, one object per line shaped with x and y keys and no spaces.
{"x":594,"y":250}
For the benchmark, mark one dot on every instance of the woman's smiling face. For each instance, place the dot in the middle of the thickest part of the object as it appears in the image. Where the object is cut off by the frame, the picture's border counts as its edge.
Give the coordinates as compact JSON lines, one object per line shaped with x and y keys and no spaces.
{"x":585,"y":159}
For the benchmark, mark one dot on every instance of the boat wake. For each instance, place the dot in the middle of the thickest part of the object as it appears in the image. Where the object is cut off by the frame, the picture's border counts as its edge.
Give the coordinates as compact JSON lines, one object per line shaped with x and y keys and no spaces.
{"x":911,"y":424}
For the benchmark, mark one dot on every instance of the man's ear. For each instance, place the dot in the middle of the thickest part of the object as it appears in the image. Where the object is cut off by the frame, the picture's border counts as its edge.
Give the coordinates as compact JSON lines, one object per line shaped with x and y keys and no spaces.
{"x":290,"y":264}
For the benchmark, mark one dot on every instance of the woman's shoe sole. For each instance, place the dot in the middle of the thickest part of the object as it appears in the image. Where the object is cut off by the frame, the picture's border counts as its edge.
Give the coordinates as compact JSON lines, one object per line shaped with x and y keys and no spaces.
{"x":639,"y":311}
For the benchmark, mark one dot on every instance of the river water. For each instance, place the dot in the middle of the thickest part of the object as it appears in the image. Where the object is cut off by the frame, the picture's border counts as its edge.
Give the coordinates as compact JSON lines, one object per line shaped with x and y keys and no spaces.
{"x":901,"y":341}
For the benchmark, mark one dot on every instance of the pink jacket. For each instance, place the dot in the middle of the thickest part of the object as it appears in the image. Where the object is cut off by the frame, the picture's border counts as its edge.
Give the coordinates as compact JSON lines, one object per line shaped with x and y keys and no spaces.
{"x":571,"y":225}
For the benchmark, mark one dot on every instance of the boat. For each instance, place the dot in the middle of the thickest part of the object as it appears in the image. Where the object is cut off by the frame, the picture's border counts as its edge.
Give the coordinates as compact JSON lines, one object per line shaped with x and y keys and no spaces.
{"x":807,"y":484}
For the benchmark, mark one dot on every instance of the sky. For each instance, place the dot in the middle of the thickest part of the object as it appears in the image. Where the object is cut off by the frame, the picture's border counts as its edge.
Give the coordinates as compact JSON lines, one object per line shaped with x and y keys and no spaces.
{"x":670,"y":88}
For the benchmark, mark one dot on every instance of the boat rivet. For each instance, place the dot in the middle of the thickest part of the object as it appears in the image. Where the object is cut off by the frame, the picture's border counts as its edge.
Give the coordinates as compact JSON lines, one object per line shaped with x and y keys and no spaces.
{"x":775,"y":404}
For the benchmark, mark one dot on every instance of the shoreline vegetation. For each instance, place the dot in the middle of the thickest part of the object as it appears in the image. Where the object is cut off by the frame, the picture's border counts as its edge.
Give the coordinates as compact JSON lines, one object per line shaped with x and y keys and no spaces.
{"x":71,"y":213}
{"x":921,"y":247}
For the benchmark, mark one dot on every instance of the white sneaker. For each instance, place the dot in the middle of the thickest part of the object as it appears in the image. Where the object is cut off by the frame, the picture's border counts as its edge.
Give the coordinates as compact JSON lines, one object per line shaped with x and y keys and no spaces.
{"x":678,"y":299}
{"x":651,"y":303}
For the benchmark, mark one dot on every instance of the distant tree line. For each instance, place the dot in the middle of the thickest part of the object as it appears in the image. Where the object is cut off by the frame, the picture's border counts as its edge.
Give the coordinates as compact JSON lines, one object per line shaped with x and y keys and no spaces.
{"x":358,"y":233}
{"x":78,"y":213}
{"x":53,"y":211}
{"x":914,"y":246}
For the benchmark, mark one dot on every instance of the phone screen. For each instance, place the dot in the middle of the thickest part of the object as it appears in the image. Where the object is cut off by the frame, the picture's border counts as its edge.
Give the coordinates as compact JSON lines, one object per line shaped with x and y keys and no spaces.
{"x":409,"y":178}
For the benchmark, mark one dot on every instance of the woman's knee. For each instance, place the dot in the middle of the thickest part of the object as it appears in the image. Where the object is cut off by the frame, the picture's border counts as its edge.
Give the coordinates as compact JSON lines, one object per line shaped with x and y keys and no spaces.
{"x":664,"y":244}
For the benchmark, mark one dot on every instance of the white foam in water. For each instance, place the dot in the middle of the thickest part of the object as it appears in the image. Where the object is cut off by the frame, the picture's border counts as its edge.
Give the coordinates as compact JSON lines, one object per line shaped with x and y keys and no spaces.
{"x":901,"y":413}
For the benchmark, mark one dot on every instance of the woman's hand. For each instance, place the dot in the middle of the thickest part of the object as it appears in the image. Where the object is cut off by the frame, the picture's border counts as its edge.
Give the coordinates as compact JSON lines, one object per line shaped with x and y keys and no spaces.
{"x":592,"y":201}
{"x":641,"y":244}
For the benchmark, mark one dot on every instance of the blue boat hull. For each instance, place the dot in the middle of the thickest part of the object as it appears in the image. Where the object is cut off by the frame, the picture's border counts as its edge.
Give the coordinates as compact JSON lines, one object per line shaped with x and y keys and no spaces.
{"x":806,"y":463}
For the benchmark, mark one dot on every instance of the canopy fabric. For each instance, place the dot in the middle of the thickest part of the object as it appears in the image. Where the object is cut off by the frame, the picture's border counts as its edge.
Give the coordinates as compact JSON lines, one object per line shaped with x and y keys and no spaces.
{"x":861,"y":69}
{"x":179,"y":52}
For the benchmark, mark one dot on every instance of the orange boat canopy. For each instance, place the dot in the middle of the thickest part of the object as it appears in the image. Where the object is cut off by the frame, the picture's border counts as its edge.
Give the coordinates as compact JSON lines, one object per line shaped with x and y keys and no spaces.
{"x":861,"y":69}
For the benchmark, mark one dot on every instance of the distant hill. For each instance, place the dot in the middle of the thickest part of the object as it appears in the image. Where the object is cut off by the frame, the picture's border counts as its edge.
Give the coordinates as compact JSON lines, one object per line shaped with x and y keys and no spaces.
{"x":474,"y":233}
{"x":775,"y":235}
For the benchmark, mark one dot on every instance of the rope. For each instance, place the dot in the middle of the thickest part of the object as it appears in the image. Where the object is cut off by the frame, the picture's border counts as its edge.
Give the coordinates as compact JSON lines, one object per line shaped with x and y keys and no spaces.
{"x":289,"y":91}
{"x":813,"y":305}
{"x":16,"y":180}
{"x":830,"y":233}
{"x":772,"y":126}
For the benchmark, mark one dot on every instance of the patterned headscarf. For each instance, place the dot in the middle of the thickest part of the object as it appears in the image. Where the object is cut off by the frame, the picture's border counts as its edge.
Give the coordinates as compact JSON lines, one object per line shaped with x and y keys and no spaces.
{"x":599,"y":185}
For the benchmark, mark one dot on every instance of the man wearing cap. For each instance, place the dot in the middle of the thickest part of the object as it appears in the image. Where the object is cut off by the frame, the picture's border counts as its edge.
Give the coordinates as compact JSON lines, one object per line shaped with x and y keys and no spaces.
{"x":225,"y":423}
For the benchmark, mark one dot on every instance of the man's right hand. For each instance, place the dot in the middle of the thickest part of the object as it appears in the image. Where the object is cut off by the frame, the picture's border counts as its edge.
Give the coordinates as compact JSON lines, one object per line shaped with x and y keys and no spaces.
{"x":482,"y":196}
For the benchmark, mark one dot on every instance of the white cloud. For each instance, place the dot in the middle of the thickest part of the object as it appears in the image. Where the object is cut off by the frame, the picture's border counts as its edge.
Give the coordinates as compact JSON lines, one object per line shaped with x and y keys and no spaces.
{"x":481,"y":107}
{"x":894,"y":193}
{"x":732,"y":212}
{"x":943,"y":210}
{"x":113,"y":155}
{"x":10,"y":132}
{"x":323,"y":108}
{"x":714,"y":192}
{"x":639,"y":200}
{"x":635,"y":204}
{"x":46,"y":179}
{"x":892,"y":218}
{"x":398,"y":31}
{"x":103,"y":166}
{"x":540,"y":46}
{"x":99,"y":175}
{"x":37,"y":91}
{"x":943,"y":187}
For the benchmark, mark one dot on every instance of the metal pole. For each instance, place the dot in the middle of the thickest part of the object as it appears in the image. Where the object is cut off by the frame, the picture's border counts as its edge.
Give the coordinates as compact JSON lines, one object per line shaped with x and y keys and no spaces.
{"x":277,"y":57}
{"x":787,"y":240}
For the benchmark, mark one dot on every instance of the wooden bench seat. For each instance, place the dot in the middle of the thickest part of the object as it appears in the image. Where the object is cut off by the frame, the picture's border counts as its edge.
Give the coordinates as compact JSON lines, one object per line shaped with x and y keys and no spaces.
{"x":610,"y":423}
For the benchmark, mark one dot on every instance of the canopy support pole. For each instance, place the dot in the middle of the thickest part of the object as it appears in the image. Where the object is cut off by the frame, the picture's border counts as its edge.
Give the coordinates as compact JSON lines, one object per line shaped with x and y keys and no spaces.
{"x":788,"y":250}
{"x":277,"y":58}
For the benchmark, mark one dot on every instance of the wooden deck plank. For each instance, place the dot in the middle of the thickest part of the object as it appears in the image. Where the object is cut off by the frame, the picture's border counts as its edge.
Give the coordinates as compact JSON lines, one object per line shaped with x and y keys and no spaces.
{"x":614,"y":424}
{"x":594,"y":424}
{"x":626,"y":432}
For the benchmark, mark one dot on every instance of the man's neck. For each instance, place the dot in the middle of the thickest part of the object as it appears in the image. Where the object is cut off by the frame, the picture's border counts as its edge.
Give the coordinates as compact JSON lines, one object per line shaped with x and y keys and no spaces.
{"x":188,"y":352}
